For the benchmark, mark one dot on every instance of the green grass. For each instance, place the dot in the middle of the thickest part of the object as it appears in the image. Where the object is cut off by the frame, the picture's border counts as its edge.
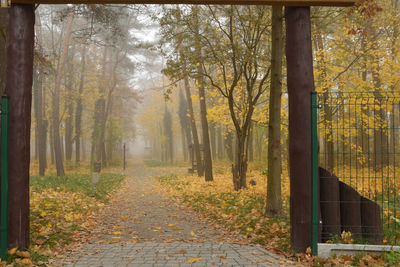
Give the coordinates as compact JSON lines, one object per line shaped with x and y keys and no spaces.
{"x":108,"y":182}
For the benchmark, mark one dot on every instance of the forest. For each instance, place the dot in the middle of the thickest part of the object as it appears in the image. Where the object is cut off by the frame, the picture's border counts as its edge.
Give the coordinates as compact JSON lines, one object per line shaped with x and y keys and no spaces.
{"x":203,"y":88}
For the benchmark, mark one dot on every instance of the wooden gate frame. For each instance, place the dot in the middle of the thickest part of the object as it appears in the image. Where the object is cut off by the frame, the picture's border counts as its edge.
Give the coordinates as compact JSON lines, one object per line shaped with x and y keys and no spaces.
{"x":300,"y":80}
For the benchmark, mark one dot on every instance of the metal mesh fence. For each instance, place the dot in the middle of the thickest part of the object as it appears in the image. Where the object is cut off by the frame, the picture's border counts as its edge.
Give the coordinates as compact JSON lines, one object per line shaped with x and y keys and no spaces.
{"x":359,"y":167}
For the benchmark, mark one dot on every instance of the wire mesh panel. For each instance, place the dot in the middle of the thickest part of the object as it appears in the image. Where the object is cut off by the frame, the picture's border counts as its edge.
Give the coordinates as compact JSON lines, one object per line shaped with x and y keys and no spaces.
{"x":359,"y":167}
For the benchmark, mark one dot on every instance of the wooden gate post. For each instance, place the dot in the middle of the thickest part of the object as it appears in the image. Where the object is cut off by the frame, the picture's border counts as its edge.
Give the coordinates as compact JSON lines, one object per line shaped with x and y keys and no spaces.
{"x":19,"y":66}
{"x":300,"y":80}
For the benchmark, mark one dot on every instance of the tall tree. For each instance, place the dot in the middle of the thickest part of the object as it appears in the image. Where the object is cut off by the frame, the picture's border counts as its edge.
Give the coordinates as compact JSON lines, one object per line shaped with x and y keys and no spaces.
{"x":56,"y":97}
{"x":202,"y":95}
{"x":79,"y":106}
{"x":41,"y":123}
{"x":274,"y":198}
{"x":69,"y":98}
{"x":185,"y":124}
{"x":236,"y":68}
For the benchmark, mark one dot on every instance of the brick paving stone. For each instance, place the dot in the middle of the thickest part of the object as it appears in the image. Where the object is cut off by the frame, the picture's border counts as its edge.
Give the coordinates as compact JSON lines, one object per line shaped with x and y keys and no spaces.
{"x":238,"y":255}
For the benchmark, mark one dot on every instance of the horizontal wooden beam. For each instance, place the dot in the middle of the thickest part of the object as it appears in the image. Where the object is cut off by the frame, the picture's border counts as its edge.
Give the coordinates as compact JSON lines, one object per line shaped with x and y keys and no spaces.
{"x":198,"y":2}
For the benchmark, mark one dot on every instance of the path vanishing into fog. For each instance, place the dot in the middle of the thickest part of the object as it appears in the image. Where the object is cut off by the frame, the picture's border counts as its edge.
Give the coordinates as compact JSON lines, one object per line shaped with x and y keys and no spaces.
{"x":143,"y":226}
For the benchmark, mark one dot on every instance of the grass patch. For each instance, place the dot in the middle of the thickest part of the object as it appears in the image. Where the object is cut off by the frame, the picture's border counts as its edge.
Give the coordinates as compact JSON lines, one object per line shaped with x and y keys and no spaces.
{"x":108,"y":182}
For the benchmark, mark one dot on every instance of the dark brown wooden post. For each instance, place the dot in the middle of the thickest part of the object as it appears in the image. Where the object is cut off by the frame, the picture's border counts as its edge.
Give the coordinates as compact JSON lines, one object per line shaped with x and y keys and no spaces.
{"x":19,"y":66}
{"x":300,"y":80}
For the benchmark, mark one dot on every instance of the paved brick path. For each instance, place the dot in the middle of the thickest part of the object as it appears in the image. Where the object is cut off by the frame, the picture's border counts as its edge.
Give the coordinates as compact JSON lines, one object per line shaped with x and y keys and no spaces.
{"x":143,"y":226}
{"x":178,"y":254}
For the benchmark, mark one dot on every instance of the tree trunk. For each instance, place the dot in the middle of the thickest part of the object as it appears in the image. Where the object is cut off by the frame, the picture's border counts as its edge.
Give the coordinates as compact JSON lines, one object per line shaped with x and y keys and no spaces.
{"x":56,"y":97}
{"x":79,"y":107}
{"x":69,"y":104}
{"x":363,"y":136}
{"x":251,"y":145}
{"x":184,"y":145}
{"x":220,"y":151}
{"x":203,"y":107}
{"x":19,"y":66}
{"x":329,"y":145}
{"x":228,"y":145}
{"x":274,"y":198}
{"x":213,"y":141}
{"x":35,"y":109}
{"x":41,"y":123}
{"x":196,"y":144}
{"x":300,"y":82}
{"x":239,"y":169}
{"x":185,"y":127}
{"x":99,"y":109}
{"x":51,"y":140}
{"x":110,"y":141}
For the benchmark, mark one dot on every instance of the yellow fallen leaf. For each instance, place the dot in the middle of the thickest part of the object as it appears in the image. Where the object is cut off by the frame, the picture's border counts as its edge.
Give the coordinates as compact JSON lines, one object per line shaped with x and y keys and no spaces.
{"x":177,"y":228}
{"x":171,"y":224}
{"x":116,"y":233}
{"x":12,"y":251}
{"x":23,"y":254}
{"x":116,"y":237}
{"x":194,"y":259}
{"x":42,"y":214}
{"x":158,"y":228}
{"x":249,"y":229}
{"x":192,"y":233}
{"x":26,"y":261}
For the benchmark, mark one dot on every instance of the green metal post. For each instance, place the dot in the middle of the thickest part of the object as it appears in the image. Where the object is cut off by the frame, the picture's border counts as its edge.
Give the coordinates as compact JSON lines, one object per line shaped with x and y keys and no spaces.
{"x":4,"y":179}
{"x":314,"y":171}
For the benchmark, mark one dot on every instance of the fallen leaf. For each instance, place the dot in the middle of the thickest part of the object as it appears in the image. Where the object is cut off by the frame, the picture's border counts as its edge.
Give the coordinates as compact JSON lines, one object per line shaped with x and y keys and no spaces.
{"x":194,"y":259}
{"x":12,"y":251}
{"x":181,"y":251}
{"x":26,"y":261}
{"x":171,"y":224}
{"x":23,"y":254}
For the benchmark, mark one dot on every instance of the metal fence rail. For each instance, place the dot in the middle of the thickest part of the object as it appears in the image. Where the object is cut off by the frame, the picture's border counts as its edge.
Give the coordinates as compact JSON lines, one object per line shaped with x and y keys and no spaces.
{"x":358,"y":153}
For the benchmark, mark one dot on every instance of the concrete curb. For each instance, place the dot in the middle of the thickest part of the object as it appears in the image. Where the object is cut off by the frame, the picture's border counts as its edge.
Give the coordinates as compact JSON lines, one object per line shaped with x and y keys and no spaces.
{"x":328,"y":250}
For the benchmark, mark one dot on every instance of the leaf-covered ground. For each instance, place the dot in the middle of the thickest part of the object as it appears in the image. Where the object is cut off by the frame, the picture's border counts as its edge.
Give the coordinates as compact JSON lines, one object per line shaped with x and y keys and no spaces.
{"x":62,"y":214}
{"x":243,"y":213}
{"x":143,"y":212}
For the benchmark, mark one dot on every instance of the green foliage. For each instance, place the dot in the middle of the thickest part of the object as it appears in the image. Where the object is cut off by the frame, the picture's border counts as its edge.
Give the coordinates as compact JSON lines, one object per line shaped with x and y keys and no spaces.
{"x":108,"y":182}
{"x":392,"y":257}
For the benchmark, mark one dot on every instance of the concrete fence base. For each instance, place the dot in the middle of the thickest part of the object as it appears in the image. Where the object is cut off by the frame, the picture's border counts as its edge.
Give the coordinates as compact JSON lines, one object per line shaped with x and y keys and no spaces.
{"x":328,"y":250}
